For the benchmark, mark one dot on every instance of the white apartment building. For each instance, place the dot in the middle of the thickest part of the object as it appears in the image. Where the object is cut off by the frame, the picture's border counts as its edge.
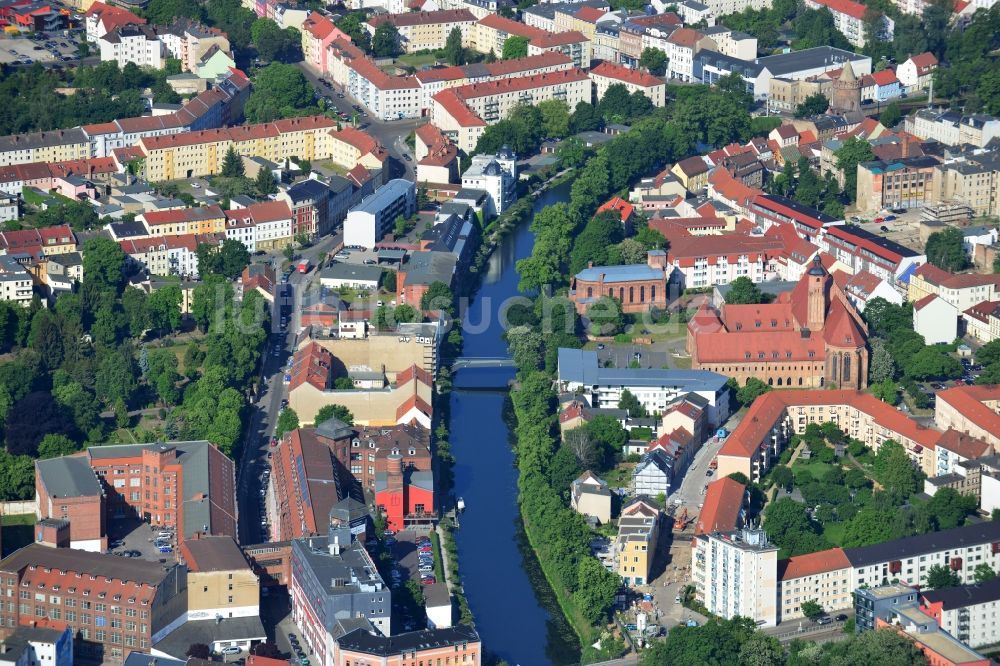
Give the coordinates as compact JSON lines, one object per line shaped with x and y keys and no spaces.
{"x":496,"y":175}
{"x":133,"y":43}
{"x":735,"y":575}
{"x":848,"y":18}
{"x":371,"y":219}
{"x":420,"y":31}
{"x":969,"y":613}
{"x":732,"y":43}
{"x":952,"y":128}
{"x":15,"y":282}
{"x":822,"y":577}
{"x":607,"y":74}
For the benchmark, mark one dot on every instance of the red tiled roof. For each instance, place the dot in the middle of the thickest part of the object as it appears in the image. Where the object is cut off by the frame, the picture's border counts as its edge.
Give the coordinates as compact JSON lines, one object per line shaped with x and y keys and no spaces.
{"x":723,"y":502}
{"x":885,"y":77}
{"x":863,"y":283}
{"x":925,"y":62}
{"x":849,"y":7}
{"x":943,"y":278}
{"x":623,"y":208}
{"x":684,"y":37}
{"x":360,"y":140}
{"x":924,"y":302}
{"x":311,"y":365}
{"x":968,"y":401}
{"x":767,"y":409}
{"x":545,"y":79}
{"x":982,"y":311}
{"x":634,"y":76}
{"x":553,"y":39}
{"x":510,"y":26}
{"x":528,"y":63}
{"x":317,"y":25}
{"x":812,"y":564}
{"x":451,"y":102}
{"x":685,"y":249}
{"x":183,"y":215}
{"x":589,"y":14}
{"x":967,"y":446}
{"x":423,"y":18}
{"x":269,"y":211}
{"x":732,"y":189}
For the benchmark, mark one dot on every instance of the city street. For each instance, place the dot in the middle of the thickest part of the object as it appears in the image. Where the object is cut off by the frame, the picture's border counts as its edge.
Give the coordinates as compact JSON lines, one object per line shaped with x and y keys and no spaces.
{"x":264,"y":412}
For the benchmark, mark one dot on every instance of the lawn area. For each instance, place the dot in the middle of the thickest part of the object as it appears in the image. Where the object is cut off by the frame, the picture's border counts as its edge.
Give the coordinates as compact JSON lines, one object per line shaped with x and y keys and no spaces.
{"x":620,"y":476}
{"x":682,"y":362}
{"x":416,"y":60}
{"x":33,"y":197}
{"x":329,"y":165}
{"x":834,"y":532}
{"x":18,"y":531}
{"x":816,"y":469}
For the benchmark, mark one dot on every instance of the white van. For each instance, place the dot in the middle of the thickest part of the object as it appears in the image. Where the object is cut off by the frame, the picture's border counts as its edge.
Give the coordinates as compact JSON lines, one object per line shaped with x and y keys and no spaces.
{"x":165,"y":535}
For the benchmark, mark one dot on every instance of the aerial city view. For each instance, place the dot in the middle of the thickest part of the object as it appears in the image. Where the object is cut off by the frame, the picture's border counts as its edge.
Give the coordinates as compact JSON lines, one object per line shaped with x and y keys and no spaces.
{"x":500,"y":332}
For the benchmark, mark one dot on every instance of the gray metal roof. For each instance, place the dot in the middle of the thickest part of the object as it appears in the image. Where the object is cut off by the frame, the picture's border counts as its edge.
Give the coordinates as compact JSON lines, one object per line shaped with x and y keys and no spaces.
{"x":384,"y":196}
{"x":68,"y":476}
{"x":358,"y":272}
{"x":796,"y":61}
{"x":207,"y":632}
{"x":427,"y":267}
{"x":582,"y":367}
{"x":901,"y":549}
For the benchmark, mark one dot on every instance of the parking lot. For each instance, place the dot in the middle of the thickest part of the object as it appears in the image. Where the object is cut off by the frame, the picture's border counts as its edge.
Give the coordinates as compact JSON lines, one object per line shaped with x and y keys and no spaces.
{"x":129,"y":535}
{"x":25,"y":51}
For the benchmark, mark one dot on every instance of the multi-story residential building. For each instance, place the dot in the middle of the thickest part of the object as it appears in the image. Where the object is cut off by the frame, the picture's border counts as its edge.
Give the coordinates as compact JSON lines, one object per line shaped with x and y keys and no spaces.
{"x":724,"y":507}
{"x":849,"y":19}
{"x":41,"y":642}
{"x":872,"y":604}
{"x":760,"y":438}
{"x":334,"y":578}
{"x":915,"y":72}
{"x":157,"y":483}
{"x":967,"y":612}
{"x":735,"y":574}
{"x":684,"y":44}
{"x":309,"y":202}
{"x":134,"y":43}
{"x":902,"y":615}
{"x":959,"y":291}
{"x":201,"y":220}
{"x":460,"y":643}
{"x":318,"y":32}
{"x":590,"y":496}
{"x":732,"y":43}
{"x":607,"y":74}
{"x":192,"y":42}
{"x":571,"y":43}
{"x":202,"y":153}
{"x":420,"y":31}
{"x":265,"y":225}
{"x":822,"y":577}
{"x":972,"y":410}
{"x":15,"y":282}
{"x":490,"y":33}
{"x":370,"y":220}
{"x":656,"y":389}
{"x":114,"y":606}
{"x":704,"y":261}
{"x":101,"y":18}
{"x":221,"y":582}
{"x":635,"y":543}
{"x":169,"y":255}
{"x":935,"y":319}
{"x":811,"y":339}
{"x":495,"y":175}
{"x":386,"y":97}
{"x":463,"y":113}
{"x":952,"y":128}
{"x":904,"y":183}
{"x":862,"y":250}
{"x":971,"y":181}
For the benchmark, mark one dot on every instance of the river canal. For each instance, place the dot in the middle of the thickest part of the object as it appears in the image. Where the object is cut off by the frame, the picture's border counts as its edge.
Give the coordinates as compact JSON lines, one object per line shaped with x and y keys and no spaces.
{"x":516,"y":615}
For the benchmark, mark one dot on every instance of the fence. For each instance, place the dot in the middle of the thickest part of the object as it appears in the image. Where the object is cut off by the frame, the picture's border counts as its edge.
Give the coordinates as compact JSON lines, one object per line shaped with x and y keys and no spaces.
{"x":17,"y":508}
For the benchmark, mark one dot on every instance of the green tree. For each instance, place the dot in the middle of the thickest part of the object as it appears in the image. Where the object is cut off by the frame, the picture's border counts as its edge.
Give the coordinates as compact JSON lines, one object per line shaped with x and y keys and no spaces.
{"x":454,"y":53}
{"x":849,"y":155}
{"x":164,"y":308}
{"x":389,"y":281}
{"x":527,"y":347}
{"x":233,"y":258}
{"x":264,"y":182}
{"x":279,"y":91}
{"x":813,"y":105}
{"x":53,"y":446}
{"x":616,"y":104}
{"x":940,"y":577}
{"x":555,"y":118}
{"x":870,"y":525}
{"x":163,"y":12}
{"x":594,"y":243}
{"x":606,"y":316}
{"x":585,"y":118}
{"x":944,"y":250}
{"x":812,"y":610}
{"x":743,"y":291}
{"x":631,"y":403}
{"x":339,"y":412}
{"x":933,"y":363}
{"x":981,"y":574}
{"x":653,"y":60}
{"x":103,"y":260}
{"x":596,"y":590}
{"x":891,"y":116}
{"x":514,"y":46}
{"x":881,"y":366}
{"x":438,"y":297}
{"x":782,"y":477}
{"x":385,"y":41}
{"x":753,"y":389}
{"x":886,"y":391}
{"x":288,"y":420}
{"x":948,"y":509}
{"x":352,"y":24}
{"x":788,"y":525}
{"x":895,"y":471}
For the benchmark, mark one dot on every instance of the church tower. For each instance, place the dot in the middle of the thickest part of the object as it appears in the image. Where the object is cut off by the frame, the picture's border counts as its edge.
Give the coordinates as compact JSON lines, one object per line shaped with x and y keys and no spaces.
{"x":846,"y":91}
{"x":816,"y":313}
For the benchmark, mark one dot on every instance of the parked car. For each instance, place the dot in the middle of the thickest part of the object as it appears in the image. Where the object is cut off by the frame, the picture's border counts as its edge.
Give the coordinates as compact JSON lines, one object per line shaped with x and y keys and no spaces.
{"x":428,"y":581}
{"x":883,"y":228}
{"x":841,"y":618}
{"x":826,"y":619}
{"x":890,"y":218}
{"x":232,"y":649}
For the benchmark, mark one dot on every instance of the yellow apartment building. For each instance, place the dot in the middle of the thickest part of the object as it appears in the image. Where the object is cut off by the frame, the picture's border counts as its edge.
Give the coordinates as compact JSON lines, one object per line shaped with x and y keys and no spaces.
{"x":221,"y":582}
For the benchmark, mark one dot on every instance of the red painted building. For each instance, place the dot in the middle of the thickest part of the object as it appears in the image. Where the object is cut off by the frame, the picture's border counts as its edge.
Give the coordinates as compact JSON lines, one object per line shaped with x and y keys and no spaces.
{"x":405,"y":496}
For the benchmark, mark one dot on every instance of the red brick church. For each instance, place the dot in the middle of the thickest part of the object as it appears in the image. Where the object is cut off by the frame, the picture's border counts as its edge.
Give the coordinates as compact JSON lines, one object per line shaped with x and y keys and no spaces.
{"x":810,"y":337}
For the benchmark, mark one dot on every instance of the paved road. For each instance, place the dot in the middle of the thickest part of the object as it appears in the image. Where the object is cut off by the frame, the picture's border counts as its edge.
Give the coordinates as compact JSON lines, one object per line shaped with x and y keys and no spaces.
{"x":392,"y":134}
{"x":264,"y":412}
